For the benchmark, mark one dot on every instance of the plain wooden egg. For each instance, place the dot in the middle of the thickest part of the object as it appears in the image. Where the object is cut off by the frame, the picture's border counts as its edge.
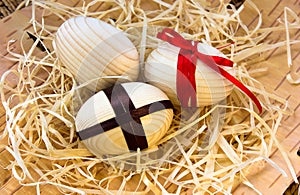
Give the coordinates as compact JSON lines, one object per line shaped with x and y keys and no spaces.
{"x":103,"y":124}
{"x":92,"y":49}
{"x":161,"y":69}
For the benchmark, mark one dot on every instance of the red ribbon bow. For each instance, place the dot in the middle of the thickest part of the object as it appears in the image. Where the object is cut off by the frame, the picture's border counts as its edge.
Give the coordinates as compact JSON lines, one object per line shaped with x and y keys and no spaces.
{"x":186,"y":67}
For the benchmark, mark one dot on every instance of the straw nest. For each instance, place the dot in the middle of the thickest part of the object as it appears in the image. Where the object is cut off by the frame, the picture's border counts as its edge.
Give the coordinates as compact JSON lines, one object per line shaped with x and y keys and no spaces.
{"x":210,"y":149}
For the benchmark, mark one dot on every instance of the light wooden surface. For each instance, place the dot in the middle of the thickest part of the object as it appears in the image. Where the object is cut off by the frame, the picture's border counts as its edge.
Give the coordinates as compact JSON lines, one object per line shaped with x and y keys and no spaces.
{"x":266,"y":179}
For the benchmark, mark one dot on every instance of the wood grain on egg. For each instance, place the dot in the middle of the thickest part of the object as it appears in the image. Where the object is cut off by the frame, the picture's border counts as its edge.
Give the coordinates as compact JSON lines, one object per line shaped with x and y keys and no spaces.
{"x":161,"y":71}
{"x":92,"y":49}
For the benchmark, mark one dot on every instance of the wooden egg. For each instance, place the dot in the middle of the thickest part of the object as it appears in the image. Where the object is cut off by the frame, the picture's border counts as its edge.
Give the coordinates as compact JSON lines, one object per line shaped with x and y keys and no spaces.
{"x":91,"y":49}
{"x":123,"y":118}
{"x":161,"y":70}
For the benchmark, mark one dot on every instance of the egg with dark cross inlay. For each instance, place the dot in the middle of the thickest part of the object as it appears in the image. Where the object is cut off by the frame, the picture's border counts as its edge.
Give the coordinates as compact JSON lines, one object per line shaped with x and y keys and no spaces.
{"x":123,"y":118}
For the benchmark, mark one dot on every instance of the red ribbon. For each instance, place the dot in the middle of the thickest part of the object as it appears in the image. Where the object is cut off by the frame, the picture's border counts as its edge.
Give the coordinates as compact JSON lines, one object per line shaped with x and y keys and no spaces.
{"x":186,"y":67}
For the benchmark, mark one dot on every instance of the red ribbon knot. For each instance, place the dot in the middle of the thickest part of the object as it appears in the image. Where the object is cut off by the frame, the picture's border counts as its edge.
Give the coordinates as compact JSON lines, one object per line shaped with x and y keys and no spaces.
{"x":186,"y":67}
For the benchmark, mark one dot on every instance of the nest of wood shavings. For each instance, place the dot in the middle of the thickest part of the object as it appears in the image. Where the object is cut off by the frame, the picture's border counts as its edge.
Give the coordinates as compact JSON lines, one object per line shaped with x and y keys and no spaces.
{"x":208,"y":150}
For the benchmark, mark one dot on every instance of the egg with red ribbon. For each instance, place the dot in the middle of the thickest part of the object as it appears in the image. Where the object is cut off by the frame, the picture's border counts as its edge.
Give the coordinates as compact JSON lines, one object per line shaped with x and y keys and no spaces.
{"x":175,"y":76}
{"x":191,"y":73}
